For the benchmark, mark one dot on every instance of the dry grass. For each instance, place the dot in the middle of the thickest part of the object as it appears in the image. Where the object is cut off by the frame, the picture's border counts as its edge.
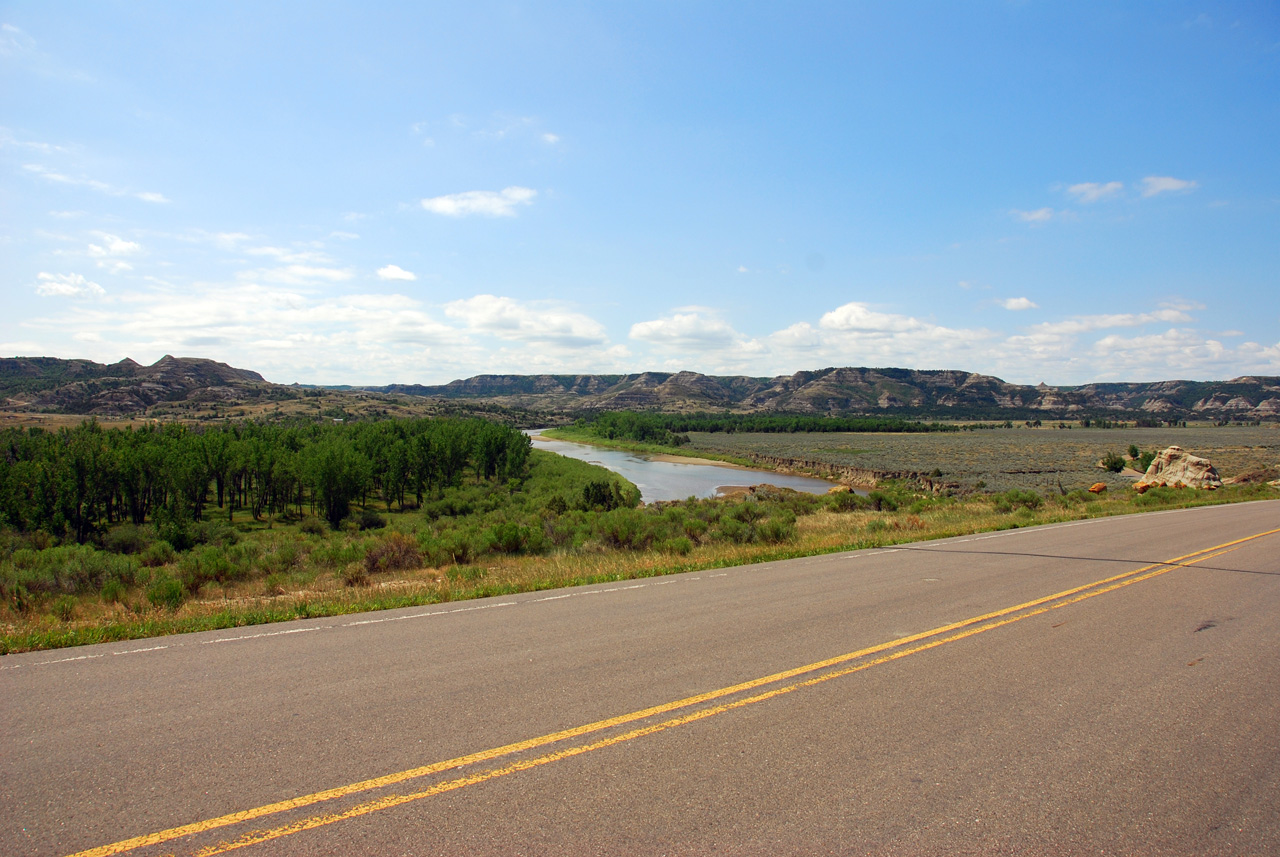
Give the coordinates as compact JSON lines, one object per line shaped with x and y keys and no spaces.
{"x":1001,"y":459}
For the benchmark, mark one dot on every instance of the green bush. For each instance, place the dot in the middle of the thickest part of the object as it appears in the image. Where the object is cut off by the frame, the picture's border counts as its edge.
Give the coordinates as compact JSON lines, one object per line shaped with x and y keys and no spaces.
{"x":64,"y":608}
{"x":680,"y":545}
{"x":158,"y":553}
{"x":165,"y":591}
{"x":214,"y":533}
{"x":882,"y":501}
{"x":779,"y":528}
{"x":1018,"y":498}
{"x":1113,"y":462}
{"x":112,"y":592}
{"x":126,"y":538}
{"x":848,"y":501}
{"x":312,"y":527}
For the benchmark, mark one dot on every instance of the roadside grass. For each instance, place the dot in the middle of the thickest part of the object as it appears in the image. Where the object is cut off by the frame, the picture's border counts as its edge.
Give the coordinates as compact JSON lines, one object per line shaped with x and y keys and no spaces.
{"x":280,"y":572}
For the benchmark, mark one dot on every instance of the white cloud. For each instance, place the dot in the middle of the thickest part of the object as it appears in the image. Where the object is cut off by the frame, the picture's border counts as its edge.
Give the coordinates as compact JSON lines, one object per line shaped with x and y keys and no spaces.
{"x":551,"y":139}
{"x":395,"y":272}
{"x":296,"y":275}
{"x":1018,"y":304}
{"x":47,"y":174}
{"x":696,"y":329}
{"x":1094,"y":191}
{"x":1152,"y":185}
{"x":67,"y":286}
{"x":113,"y":245}
{"x":857,"y":316}
{"x":1086,"y":323}
{"x":742,"y":269}
{"x":489,"y":203}
{"x":1040,"y":215}
{"x":533,"y":321}
{"x":310,"y":256}
{"x":7,"y":139}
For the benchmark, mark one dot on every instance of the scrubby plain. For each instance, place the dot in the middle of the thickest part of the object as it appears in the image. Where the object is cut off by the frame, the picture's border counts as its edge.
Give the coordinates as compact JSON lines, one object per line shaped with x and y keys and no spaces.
{"x":1037,"y":459}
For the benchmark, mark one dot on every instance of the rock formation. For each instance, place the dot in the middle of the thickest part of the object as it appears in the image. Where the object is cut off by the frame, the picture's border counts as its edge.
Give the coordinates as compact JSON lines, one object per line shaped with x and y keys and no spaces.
{"x":1178,"y":468}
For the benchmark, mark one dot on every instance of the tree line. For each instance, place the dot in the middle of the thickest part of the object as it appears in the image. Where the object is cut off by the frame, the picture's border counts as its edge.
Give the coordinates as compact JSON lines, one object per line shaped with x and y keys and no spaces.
{"x":670,"y":429}
{"x":75,"y":482}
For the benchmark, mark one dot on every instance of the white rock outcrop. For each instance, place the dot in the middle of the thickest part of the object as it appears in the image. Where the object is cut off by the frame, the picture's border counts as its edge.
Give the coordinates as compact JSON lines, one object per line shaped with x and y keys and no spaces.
{"x":1175,"y":466}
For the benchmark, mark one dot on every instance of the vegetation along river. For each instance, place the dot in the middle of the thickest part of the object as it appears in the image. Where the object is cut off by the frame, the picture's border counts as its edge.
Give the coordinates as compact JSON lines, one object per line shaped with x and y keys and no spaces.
{"x":658,"y":479}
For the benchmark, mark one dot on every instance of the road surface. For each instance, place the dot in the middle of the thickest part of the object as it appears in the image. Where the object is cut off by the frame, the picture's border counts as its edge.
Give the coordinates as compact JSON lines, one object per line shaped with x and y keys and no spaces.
{"x":1108,"y":686}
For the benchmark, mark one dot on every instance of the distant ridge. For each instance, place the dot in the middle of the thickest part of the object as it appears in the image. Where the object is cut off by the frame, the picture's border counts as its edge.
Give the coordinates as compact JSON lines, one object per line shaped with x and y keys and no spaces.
{"x":849,"y":390}
{"x":85,"y":387}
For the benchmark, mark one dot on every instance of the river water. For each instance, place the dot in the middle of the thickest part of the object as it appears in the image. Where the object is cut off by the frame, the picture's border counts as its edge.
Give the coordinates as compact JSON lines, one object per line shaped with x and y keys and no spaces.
{"x":669,"y":480}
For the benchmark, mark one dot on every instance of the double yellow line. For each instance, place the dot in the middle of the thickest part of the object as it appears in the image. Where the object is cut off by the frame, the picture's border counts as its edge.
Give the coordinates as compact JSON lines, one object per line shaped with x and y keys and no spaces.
{"x":829,"y":669}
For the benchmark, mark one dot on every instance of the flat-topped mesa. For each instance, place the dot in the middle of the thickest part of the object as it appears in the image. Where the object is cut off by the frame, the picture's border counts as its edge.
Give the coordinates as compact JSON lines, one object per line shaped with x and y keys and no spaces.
{"x":1175,"y":467}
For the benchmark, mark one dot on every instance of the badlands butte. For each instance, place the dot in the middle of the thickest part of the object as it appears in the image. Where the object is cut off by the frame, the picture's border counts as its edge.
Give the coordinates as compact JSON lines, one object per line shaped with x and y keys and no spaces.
{"x":195,"y":388}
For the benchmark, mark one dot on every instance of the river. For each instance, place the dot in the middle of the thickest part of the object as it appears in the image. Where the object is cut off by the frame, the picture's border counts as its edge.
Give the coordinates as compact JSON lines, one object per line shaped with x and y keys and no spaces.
{"x":671,"y":480}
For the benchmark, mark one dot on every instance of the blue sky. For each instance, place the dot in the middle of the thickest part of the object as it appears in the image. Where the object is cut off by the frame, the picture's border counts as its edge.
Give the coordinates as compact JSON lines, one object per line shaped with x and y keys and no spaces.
{"x":329,"y":193}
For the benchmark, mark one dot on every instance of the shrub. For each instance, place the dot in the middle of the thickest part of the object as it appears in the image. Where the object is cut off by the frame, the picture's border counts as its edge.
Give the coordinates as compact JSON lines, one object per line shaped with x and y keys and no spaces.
{"x":624,"y":528}
{"x":882,"y":502}
{"x":208,"y":565}
{"x":848,"y":501}
{"x":214,"y":533}
{"x":64,"y":608}
{"x":165,"y":591}
{"x":370,"y":520}
{"x":1018,"y":497}
{"x":1113,"y":462}
{"x":679,"y":545}
{"x":126,"y":538}
{"x":394,"y":552}
{"x":112,"y":592}
{"x":158,"y":553}
{"x":355,"y":574}
{"x":780,"y":528}
{"x":505,"y":537}
{"x":312,"y":527}
{"x":284,"y":558}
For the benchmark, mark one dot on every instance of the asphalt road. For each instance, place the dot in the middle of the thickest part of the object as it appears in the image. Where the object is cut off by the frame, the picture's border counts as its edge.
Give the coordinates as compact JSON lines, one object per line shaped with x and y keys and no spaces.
{"x":1110,"y":686}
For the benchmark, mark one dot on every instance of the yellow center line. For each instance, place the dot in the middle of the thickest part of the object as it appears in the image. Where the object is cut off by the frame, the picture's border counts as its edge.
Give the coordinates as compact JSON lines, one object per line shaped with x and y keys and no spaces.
{"x":1065,"y":597}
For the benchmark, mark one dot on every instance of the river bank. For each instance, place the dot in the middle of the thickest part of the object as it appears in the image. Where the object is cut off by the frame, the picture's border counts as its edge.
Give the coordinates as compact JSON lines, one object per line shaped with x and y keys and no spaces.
{"x":663,"y":475}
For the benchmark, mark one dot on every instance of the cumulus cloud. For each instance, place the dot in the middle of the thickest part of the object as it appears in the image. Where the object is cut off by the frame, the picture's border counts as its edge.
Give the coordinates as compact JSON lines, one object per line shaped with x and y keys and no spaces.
{"x":857,"y":316}
{"x":1153,"y":185}
{"x":113,"y":245}
{"x":67,"y":286}
{"x":696,"y":328}
{"x":1094,"y":191}
{"x":395,"y":272}
{"x":1040,"y":215}
{"x":489,"y":203}
{"x":1018,"y":304}
{"x":527,"y":321}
